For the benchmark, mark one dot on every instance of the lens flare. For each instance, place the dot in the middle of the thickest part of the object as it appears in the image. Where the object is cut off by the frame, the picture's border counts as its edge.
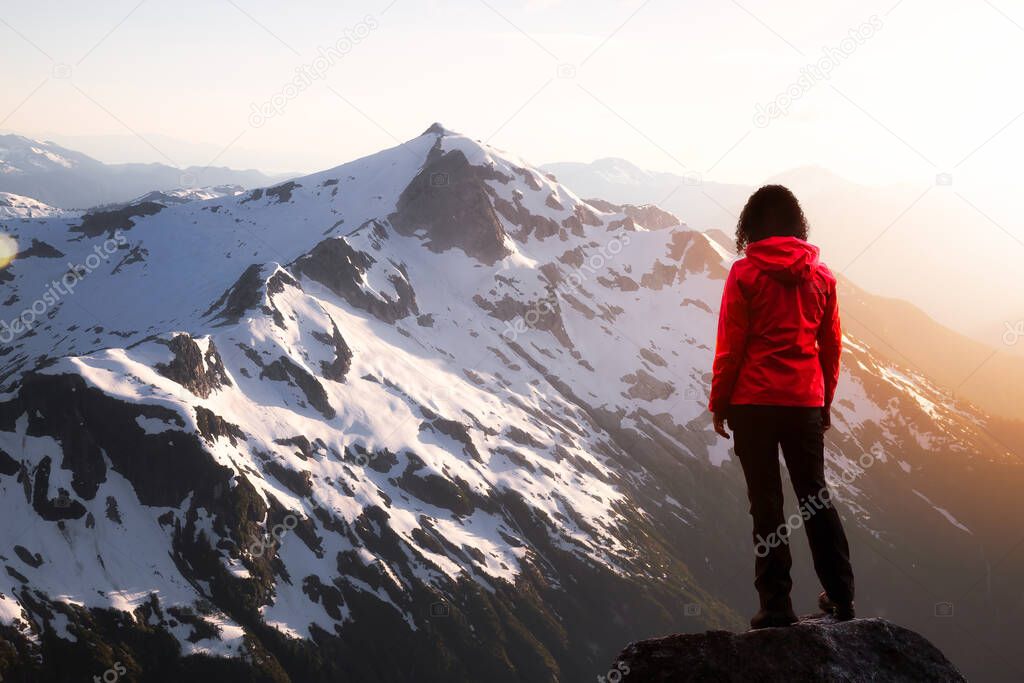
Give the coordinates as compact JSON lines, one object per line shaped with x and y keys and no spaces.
{"x":8,"y":249}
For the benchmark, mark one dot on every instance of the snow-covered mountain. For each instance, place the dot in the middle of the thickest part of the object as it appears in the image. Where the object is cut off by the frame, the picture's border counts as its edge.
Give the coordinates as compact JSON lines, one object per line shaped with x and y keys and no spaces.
{"x":23,"y":156}
{"x":16,"y":206}
{"x":183,"y":195}
{"x":68,"y":179}
{"x":427,"y":415}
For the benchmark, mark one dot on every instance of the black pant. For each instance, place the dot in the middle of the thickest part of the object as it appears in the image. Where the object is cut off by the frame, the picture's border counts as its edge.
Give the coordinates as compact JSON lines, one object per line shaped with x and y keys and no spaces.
{"x":759,"y":431}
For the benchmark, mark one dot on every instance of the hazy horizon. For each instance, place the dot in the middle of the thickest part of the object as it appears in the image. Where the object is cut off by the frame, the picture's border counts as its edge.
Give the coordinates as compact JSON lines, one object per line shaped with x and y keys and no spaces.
{"x":129,"y":149}
{"x":554,"y":80}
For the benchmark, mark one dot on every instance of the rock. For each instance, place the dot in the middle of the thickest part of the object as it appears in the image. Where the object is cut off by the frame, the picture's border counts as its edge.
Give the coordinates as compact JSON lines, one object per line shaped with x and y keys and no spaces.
{"x":338,"y":368}
{"x":284,"y":369}
{"x":40,"y":250}
{"x":200,"y":373}
{"x":283,"y":192}
{"x":651,"y":217}
{"x":98,"y":222}
{"x":342,"y":269}
{"x":816,"y":649}
{"x":648,"y":215}
{"x":696,"y":253}
{"x":246,"y":293}
{"x":647,"y":387}
{"x":449,"y":202}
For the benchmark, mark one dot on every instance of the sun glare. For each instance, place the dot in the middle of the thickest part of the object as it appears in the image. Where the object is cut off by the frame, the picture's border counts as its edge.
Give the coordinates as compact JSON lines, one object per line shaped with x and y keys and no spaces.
{"x":8,"y":249}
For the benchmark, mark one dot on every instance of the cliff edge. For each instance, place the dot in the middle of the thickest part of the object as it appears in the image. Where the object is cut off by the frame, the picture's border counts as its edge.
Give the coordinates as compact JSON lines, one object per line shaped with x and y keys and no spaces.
{"x":817,"y":648}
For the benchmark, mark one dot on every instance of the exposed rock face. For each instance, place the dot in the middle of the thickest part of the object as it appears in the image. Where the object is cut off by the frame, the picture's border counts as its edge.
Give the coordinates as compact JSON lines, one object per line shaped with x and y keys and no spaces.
{"x":202,"y":374}
{"x":544,"y":314}
{"x":652,"y":217}
{"x":99,"y":222}
{"x":648,"y":215}
{"x":40,"y":250}
{"x":284,"y":369}
{"x":696,"y":254}
{"x":450,"y":202}
{"x":175,"y":465}
{"x":240,"y":297}
{"x":529,"y":223}
{"x":817,"y":649}
{"x":283,"y":192}
{"x":336,"y":265}
{"x":647,"y":386}
{"x":337,"y":368}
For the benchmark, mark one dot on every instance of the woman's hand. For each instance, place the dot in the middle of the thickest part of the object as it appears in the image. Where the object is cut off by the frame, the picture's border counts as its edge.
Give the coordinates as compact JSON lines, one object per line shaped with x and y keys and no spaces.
{"x":826,"y":419}
{"x":720,"y":425}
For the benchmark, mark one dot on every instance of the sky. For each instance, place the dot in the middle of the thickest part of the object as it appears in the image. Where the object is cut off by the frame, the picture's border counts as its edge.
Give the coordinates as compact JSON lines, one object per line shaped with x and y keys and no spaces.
{"x":904,"y":96}
{"x":878,"y":92}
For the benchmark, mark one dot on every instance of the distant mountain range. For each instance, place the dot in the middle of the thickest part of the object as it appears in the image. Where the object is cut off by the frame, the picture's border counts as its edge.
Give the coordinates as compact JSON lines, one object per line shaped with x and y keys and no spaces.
{"x":67,"y":179}
{"x":16,"y":206}
{"x":703,"y":204}
{"x":181,"y":196}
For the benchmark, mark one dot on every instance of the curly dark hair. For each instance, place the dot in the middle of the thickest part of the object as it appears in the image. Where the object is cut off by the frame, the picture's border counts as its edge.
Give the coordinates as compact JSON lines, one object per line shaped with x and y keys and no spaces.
{"x":772,"y":211}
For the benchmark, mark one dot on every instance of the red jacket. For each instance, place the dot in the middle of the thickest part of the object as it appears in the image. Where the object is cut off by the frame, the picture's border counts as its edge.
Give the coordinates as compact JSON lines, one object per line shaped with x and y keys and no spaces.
{"x":779,"y":337}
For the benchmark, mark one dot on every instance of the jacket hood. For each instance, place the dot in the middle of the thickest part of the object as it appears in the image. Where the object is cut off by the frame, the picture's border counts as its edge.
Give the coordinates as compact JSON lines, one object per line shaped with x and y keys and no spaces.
{"x":786,"y":259}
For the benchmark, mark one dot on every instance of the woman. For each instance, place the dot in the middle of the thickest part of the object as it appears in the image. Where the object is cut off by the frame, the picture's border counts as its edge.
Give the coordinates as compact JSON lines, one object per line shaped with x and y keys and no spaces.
{"x":775,"y":372}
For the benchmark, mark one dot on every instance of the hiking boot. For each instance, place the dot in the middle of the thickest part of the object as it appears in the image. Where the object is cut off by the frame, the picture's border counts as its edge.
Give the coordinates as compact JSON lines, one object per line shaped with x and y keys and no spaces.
{"x":841,"y":611}
{"x":767,"y":618}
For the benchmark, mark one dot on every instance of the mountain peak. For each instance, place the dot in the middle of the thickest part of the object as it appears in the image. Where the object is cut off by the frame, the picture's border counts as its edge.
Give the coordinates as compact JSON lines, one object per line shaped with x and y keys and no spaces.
{"x":437,"y":128}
